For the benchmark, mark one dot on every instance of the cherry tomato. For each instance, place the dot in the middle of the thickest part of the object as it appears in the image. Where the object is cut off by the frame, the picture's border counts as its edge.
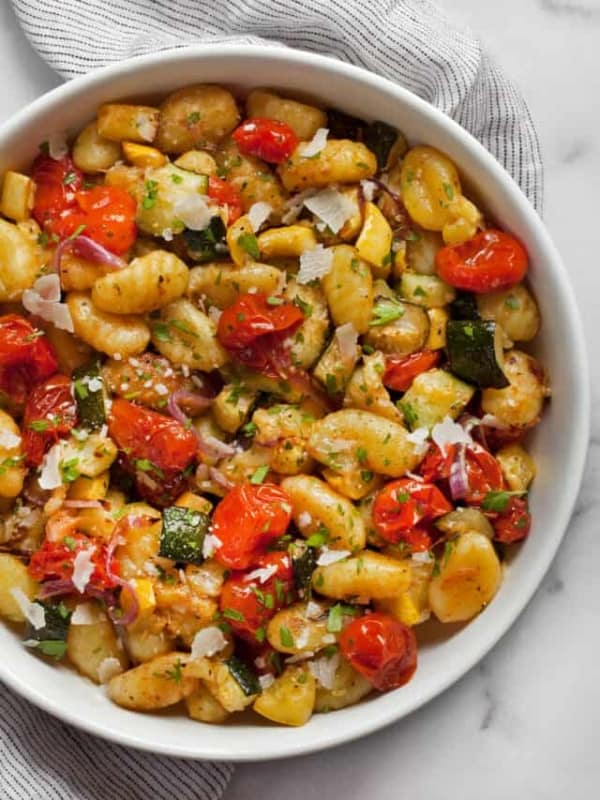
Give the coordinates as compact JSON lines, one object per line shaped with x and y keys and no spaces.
{"x":380,"y":648}
{"x":489,"y":261}
{"x":269,"y":139}
{"x":61,"y":206}
{"x":54,"y":560}
{"x":26,"y":357}
{"x":227,"y":195}
{"x":513,"y":524}
{"x":248,"y":603}
{"x":252,"y":328}
{"x":56,"y":182}
{"x":246,"y":520}
{"x":156,"y":449}
{"x":403,"y":506}
{"x":109,"y":217}
{"x":483,"y":470}
{"x":400,"y":371}
{"x":50,"y":414}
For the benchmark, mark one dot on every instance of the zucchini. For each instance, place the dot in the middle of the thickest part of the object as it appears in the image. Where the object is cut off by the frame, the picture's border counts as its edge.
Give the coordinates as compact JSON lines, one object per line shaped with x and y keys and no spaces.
{"x":345,"y":126}
{"x":380,"y":138}
{"x":428,"y":291}
{"x":464,"y":306}
{"x":304,"y":564}
{"x":51,"y":639}
{"x":88,"y":389}
{"x":244,"y":675}
{"x":433,"y":395}
{"x":475,"y":352}
{"x":182,"y":534}
{"x":209,"y":244}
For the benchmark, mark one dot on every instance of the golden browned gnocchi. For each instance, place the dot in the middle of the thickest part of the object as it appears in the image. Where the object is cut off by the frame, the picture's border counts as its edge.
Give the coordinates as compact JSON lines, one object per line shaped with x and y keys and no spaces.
{"x":261,"y":415}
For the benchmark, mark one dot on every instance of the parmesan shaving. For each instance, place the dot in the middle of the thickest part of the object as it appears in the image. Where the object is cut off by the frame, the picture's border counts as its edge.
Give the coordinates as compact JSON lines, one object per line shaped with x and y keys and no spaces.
{"x":419,"y":437}
{"x":209,"y":545}
{"x":300,"y":657}
{"x":262,"y":574}
{"x":316,"y":144}
{"x":423,"y":557}
{"x":304,"y":519}
{"x":449,"y":432}
{"x":83,"y":569}
{"x":146,"y":128}
{"x":328,"y":556}
{"x":9,"y":440}
{"x":108,"y":668}
{"x":193,"y":211}
{"x":325,"y":669}
{"x":347,"y":338}
{"x":43,"y":300}
{"x":368,"y":189}
{"x":332,"y":207}
{"x":33,"y":612}
{"x":208,"y":642}
{"x":57,"y":145}
{"x":314,"y":264}
{"x":50,"y":476}
{"x":259,"y":213}
{"x":314,"y":610}
{"x":266,"y":681}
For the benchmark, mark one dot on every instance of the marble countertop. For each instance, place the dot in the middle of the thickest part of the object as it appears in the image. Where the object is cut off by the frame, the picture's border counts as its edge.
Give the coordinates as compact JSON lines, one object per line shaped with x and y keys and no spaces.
{"x":523,"y":723}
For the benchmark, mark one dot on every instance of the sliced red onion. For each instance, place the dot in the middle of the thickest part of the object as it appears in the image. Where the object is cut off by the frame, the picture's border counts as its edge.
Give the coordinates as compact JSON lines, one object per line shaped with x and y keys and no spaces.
{"x":56,"y":588}
{"x":209,"y":446}
{"x":84,"y":247}
{"x":220,"y":479}
{"x":459,"y":480}
{"x":134,"y":608}
{"x":193,"y":401}
{"x":82,"y":504}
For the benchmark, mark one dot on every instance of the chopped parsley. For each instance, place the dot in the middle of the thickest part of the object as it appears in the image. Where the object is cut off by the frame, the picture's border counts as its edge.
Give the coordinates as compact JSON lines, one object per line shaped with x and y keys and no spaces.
{"x":319,"y":538}
{"x":361,"y":455}
{"x":80,"y":389}
{"x":498,"y":501}
{"x":249,"y":429}
{"x":231,"y":613}
{"x":161,"y":332}
{"x":175,"y":674}
{"x":259,"y":474}
{"x":151,"y":188}
{"x":386,"y":311}
{"x":9,"y":463}
{"x":449,"y":191}
{"x":55,"y":648}
{"x":285,"y":636}
{"x":145,"y":465}
{"x":176,"y":178}
{"x":275,"y":301}
{"x":336,"y":616}
{"x":69,"y":178}
{"x":193,"y":117}
{"x":410,"y":415}
{"x":39,"y":425}
{"x":512,"y":302}
{"x":249,"y":243}
{"x":69,"y":471}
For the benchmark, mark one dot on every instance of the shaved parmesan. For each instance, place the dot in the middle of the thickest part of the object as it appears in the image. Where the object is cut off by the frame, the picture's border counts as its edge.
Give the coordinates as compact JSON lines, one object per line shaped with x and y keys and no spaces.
{"x":328,"y":556}
{"x":208,"y":642}
{"x":108,"y":668}
{"x":293,"y":206}
{"x":304,"y":519}
{"x":423,"y":557}
{"x":8,"y":439}
{"x":300,"y":656}
{"x":209,"y":545}
{"x":448,"y":432}
{"x":50,"y":476}
{"x":266,"y":681}
{"x":314,"y":264}
{"x":87,"y":614}
{"x":57,"y":145}
{"x":259,"y":213}
{"x":43,"y":300}
{"x":33,"y":612}
{"x":146,"y":128}
{"x":193,"y":211}
{"x":167,"y":234}
{"x":316,"y":144}
{"x":324,"y":669}
{"x":368,"y":189}
{"x":262,"y":574}
{"x":492,"y":422}
{"x":419,"y":437}
{"x":347,"y":338}
{"x":331,"y":206}
{"x":314,"y":610}
{"x":94,"y":384}
{"x":83,"y":569}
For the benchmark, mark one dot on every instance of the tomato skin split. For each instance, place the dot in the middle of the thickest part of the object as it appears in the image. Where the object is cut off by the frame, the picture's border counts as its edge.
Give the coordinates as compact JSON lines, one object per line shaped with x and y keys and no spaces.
{"x":382,"y":649}
{"x":513,"y":524}
{"x":247,"y":520}
{"x":26,"y":357}
{"x":490,"y":261}
{"x":400,"y":371}
{"x":403,"y":509}
{"x":269,"y":139}
{"x":50,"y":414}
{"x":484,"y":473}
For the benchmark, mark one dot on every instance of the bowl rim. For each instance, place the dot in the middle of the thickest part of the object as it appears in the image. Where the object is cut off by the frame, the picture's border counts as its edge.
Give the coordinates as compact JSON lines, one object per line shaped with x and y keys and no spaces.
{"x":581,"y":419}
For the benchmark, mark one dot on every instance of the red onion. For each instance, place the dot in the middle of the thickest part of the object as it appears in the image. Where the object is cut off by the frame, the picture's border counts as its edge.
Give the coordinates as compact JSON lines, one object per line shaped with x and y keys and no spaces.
{"x":194,"y":403}
{"x":209,"y":446}
{"x":55,"y":588}
{"x":459,"y":480}
{"x":87,"y":248}
{"x":220,"y":479}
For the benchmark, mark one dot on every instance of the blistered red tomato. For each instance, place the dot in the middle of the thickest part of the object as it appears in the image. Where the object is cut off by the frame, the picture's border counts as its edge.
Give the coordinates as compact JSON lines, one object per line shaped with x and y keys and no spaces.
{"x":158,"y":450}
{"x":269,"y":139}
{"x":400,"y":371}
{"x":246,"y":520}
{"x":105,"y":213}
{"x":403,"y":508}
{"x":26,"y":357}
{"x":250,"y":599}
{"x":254,"y":328}
{"x":55,"y":560}
{"x":380,"y":648}
{"x":514,"y":523}
{"x":482,"y":470}
{"x":226,"y":195}
{"x":50,"y":414}
{"x":489,"y":261}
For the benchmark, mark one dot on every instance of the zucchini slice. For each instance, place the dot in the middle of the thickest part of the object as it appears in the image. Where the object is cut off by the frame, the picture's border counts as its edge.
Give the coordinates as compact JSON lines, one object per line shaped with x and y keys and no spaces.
{"x":209,"y":244}
{"x":244,"y":675}
{"x":303,"y":565}
{"x":51,"y":639}
{"x":464,"y":306}
{"x":380,"y":138}
{"x":475,"y":352}
{"x":88,"y":389}
{"x":182,"y":534}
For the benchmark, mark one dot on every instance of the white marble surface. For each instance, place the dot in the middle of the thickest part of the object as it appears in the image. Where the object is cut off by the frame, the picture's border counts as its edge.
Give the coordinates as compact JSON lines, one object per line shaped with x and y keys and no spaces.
{"x":524,"y":723}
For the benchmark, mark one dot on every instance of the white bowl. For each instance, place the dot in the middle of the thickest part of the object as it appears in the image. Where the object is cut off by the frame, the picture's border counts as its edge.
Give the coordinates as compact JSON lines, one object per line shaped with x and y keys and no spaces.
{"x":559,"y":444}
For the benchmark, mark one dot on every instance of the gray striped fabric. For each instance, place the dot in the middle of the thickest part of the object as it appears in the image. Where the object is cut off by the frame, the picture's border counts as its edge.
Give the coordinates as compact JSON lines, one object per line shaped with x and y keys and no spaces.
{"x":411,"y":42}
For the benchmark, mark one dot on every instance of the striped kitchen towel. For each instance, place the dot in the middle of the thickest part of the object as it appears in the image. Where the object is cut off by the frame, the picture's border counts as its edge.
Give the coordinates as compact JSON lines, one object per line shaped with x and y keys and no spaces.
{"x":409,"y":41}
